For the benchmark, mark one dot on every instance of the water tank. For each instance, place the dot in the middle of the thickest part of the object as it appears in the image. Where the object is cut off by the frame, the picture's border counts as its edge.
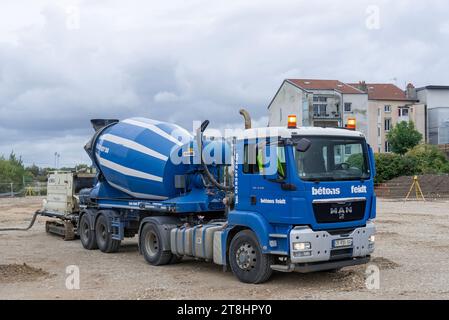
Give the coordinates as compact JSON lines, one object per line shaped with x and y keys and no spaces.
{"x":134,"y":157}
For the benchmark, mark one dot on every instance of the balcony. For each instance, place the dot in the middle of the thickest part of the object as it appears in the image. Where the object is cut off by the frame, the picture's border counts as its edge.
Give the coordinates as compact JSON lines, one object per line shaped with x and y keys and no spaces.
{"x":323,"y":115}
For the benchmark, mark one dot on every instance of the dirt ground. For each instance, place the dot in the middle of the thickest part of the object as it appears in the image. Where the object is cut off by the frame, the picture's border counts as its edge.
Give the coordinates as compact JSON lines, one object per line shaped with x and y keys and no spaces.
{"x":412,"y":253}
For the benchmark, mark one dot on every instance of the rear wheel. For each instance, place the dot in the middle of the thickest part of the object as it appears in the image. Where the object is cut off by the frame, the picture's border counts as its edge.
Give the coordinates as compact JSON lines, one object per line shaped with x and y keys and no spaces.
{"x":247,"y":261}
{"x":87,"y":235}
{"x":104,"y":237}
{"x":151,"y":245}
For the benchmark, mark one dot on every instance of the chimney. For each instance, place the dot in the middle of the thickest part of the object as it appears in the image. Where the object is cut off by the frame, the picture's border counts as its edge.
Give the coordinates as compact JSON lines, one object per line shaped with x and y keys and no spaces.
{"x":362,"y":86}
{"x":410,"y":92}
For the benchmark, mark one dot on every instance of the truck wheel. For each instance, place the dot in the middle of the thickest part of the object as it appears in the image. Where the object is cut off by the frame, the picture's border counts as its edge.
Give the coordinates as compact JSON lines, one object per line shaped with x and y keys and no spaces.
{"x":104,"y":237}
{"x":175,"y":259}
{"x":87,"y":236}
{"x":151,"y":245}
{"x":247,"y":261}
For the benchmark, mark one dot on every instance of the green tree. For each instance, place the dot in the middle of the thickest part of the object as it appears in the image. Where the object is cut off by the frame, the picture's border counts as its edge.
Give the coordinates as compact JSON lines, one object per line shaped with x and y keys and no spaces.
{"x":12,"y":171}
{"x":403,"y":137}
{"x":34,"y":170}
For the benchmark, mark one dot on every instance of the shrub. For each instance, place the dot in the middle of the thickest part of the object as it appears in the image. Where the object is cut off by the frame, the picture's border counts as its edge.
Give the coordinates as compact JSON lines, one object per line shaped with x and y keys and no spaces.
{"x":422,"y":159}
{"x":388,"y":166}
{"x":427,"y":159}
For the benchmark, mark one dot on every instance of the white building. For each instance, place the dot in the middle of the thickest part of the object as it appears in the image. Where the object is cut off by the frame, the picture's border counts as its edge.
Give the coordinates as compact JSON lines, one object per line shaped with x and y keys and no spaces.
{"x":387,"y":106}
{"x":436,"y":99}
{"x":319,"y":103}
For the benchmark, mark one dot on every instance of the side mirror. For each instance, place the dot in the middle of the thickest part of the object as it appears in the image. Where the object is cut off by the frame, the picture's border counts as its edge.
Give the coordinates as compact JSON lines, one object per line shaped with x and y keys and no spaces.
{"x":303,"y":145}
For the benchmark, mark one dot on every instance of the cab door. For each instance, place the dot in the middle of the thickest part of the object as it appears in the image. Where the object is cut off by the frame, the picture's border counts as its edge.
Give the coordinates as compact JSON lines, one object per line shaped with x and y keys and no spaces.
{"x":265,"y":166}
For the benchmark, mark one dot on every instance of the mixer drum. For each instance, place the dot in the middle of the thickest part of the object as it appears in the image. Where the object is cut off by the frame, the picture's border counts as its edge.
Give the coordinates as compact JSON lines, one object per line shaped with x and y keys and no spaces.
{"x":134,"y":157}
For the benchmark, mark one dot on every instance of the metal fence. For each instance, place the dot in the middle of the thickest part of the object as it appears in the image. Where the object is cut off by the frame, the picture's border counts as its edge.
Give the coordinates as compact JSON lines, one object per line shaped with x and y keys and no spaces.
{"x":33,"y":188}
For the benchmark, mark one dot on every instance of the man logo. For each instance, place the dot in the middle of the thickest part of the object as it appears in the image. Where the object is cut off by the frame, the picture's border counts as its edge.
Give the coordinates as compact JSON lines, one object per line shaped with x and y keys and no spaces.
{"x":341,"y":210}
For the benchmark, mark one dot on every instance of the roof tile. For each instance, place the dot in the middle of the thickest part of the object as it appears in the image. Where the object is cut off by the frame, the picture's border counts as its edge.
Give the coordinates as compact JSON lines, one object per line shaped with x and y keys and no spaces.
{"x":315,"y":84}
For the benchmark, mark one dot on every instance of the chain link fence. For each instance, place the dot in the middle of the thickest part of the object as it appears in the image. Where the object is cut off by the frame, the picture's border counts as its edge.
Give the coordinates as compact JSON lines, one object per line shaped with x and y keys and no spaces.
{"x":31,"y":188}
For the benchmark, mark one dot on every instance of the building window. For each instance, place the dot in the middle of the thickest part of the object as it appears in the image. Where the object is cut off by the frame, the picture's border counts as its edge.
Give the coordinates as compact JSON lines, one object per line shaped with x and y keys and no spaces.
{"x":348,"y":106}
{"x":387,"y":125}
{"x":403,"y":112}
{"x":319,"y":99}
{"x":387,"y":109}
{"x":387,"y":146}
{"x":348,"y":149}
{"x":319,"y":109}
{"x":378,"y":131}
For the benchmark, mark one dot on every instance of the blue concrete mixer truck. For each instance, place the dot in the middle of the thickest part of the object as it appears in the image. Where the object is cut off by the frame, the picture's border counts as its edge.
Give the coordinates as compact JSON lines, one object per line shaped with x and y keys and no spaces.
{"x":309,"y":207}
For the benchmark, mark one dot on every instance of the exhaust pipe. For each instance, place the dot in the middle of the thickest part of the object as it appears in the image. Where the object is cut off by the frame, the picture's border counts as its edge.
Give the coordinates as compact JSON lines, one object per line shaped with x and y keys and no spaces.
{"x":247,"y":118}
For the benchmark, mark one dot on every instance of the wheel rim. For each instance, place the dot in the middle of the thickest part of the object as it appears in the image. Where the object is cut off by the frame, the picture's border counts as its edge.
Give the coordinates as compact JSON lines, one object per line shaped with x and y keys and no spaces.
{"x":151,"y":243}
{"x":85,"y":229}
{"x":245,"y":257}
{"x":102,"y":231}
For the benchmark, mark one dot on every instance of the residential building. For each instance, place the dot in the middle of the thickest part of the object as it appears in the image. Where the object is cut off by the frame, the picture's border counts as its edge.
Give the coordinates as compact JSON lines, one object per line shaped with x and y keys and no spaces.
{"x":377,"y":107}
{"x":387,"y":106}
{"x":320,"y":103}
{"x":436,"y":100}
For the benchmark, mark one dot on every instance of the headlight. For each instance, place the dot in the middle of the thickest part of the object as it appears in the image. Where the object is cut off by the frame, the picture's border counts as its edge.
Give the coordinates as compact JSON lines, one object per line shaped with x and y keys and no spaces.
{"x":301,"y":246}
{"x":372,"y":238}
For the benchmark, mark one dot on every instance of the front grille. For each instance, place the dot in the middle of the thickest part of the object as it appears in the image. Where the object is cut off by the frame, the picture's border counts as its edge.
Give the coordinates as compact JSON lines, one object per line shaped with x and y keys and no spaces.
{"x":338,"y":254}
{"x":341,"y":232}
{"x":339,"y":212}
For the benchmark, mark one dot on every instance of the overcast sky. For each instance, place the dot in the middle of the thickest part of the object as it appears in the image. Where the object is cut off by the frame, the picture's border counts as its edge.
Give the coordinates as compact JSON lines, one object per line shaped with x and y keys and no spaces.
{"x":65,"y":62}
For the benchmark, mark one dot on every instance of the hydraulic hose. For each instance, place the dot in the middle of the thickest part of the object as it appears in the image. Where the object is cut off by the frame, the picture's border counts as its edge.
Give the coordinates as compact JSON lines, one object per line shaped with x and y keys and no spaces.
{"x":212,"y":179}
{"x":33,"y":220}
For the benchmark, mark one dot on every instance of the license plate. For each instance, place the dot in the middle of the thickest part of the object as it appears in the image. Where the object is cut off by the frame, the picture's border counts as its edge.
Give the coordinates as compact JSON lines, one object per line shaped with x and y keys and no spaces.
{"x":339,"y":243}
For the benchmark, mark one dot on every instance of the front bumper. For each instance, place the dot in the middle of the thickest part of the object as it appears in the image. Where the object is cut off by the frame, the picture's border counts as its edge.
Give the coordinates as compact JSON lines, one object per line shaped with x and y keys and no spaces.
{"x":322,"y":247}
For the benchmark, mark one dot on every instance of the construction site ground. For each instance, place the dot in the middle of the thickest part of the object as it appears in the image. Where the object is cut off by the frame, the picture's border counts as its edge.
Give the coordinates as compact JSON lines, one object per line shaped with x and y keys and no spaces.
{"x":412,"y":254}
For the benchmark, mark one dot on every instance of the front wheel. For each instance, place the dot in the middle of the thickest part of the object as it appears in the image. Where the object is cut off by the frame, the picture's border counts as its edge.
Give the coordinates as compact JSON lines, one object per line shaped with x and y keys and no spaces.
{"x":247,"y":261}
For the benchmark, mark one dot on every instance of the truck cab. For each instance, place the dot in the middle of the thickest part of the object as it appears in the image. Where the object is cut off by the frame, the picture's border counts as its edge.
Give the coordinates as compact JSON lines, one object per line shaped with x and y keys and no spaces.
{"x":306,"y":198}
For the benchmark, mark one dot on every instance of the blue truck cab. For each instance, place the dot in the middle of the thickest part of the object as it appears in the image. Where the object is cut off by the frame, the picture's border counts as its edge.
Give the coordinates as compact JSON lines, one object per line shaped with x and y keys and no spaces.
{"x":314,"y":212}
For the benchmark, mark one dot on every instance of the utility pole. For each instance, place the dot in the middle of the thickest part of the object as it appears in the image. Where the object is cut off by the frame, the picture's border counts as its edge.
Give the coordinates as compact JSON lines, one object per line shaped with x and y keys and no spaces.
{"x":57,"y":156}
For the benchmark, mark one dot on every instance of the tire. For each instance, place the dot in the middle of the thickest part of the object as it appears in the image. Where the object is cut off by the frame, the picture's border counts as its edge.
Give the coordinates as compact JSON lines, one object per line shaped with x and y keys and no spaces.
{"x":175,"y":259}
{"x":104,"y":238}
{"x":247,"y":261}
{"x":150,"y":242}
{"x":332,"y":270}
{"x":87,"y":235}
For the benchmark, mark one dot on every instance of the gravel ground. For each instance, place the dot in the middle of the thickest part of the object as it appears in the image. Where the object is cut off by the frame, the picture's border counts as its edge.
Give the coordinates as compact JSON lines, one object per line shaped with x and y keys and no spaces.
{"x":412,"y":253}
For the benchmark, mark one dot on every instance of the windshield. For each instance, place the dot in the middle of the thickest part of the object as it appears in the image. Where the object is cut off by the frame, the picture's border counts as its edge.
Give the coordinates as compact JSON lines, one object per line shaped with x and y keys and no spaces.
{"x":333,"y":159}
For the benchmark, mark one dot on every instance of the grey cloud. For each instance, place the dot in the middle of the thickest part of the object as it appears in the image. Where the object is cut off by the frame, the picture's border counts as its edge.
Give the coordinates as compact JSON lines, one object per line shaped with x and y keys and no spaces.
{"x":184,"y":61}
